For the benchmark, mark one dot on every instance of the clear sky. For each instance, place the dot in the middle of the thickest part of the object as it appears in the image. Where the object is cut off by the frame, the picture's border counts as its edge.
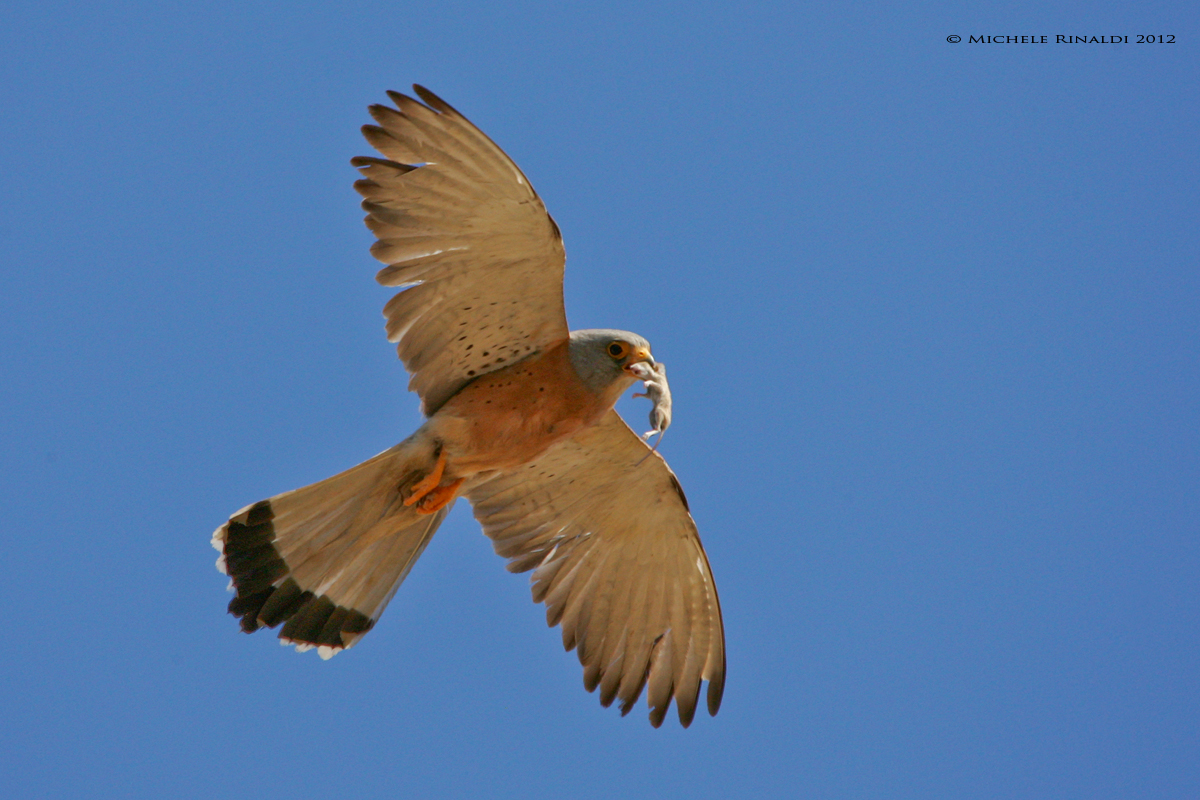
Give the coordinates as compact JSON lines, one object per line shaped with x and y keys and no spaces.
{"x":932,"y":317}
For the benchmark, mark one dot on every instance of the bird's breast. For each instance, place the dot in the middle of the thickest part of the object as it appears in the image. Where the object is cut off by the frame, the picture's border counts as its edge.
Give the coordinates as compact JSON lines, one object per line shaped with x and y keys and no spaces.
{"x":509,"y":417}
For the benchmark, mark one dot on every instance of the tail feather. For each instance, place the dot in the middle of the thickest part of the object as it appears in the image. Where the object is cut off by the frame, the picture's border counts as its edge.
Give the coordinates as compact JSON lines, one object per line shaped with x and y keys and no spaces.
{"x":325,"y":560}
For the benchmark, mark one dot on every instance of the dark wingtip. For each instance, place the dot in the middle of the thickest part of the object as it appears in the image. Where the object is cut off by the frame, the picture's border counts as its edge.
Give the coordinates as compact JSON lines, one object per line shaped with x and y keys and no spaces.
{"x":383,"y":114}
{"x":369,"y":131}
{"x":715,"y":690}
{"x":368,"y":161}
{"x":372,"y":161}
{"x":398,"y":97}
{"x":687,"y":712}
{"x":433,"y":101}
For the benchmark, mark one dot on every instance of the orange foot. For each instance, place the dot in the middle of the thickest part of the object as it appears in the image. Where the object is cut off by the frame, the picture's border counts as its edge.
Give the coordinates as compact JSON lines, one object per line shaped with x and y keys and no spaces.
{"x":429,"y":482}
{"x":438,"y":498}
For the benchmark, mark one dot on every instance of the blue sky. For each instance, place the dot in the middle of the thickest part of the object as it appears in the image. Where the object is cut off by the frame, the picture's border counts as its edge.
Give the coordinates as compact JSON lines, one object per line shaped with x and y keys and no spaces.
{"x":932,"y":316}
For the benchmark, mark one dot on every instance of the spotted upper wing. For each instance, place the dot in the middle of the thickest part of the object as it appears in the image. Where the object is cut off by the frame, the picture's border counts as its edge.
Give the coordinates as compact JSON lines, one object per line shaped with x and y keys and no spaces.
{"x":618,"y":562}
{"x":458,"y":222}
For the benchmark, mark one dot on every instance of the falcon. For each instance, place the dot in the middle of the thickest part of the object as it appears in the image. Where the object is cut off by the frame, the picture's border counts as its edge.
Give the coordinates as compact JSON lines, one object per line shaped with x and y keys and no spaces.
{"x":519,"y":421}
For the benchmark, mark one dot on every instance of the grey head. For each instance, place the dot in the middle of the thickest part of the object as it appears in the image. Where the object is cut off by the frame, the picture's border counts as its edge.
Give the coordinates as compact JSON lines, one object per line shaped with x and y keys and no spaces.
{"x":602,"y":358}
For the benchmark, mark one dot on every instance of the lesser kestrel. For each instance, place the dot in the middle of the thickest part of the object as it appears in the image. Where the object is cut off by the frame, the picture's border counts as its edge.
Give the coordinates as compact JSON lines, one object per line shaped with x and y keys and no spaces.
{"x":520,"y":421}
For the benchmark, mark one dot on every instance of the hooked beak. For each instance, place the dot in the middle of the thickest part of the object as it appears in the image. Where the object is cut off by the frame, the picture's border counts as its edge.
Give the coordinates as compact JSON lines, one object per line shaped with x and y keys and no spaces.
{"x":639,"y":355}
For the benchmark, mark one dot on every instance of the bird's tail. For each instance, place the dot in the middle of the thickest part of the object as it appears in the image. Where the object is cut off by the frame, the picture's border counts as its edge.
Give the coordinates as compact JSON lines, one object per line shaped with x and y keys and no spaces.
{"x":326,"y":559}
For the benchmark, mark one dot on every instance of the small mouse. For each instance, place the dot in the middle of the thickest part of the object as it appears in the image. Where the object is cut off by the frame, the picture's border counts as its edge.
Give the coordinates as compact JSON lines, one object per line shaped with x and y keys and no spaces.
{"x":654,"y":378}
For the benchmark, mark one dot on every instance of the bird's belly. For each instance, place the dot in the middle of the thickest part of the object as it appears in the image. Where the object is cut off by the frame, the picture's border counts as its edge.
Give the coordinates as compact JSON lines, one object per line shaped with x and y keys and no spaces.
{"x":509,"y":417}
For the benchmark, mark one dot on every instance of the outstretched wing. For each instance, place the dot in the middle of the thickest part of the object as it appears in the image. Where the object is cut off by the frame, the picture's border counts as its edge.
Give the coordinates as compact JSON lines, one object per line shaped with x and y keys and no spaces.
{"x":459,"y":223}
{"x":617,"y":560}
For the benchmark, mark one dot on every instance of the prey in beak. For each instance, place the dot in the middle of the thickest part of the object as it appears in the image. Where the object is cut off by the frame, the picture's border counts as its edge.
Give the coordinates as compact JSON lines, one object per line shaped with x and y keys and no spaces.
{"x":640,"y":355}
{"x":654,"y":376}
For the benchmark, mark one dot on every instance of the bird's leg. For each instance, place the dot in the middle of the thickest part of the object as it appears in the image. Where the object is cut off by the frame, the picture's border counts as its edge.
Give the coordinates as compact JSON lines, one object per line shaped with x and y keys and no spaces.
{"x":439,"y":497}
{"x":430,"y":481}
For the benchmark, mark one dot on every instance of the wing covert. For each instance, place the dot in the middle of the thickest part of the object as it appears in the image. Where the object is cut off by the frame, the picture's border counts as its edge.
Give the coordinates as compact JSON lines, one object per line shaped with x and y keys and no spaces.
{"x":459,"y":224}
{"x":618,"y":562}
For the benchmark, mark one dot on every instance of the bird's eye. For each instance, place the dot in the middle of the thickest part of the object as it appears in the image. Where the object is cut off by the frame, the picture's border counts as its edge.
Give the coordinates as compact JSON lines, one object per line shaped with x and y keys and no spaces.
{"x":618,"y":349}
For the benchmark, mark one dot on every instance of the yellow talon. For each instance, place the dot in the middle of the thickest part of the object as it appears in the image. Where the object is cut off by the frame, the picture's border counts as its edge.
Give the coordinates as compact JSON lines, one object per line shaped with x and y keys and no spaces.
{"x":439,"y":498}
{"x":429,"y":482}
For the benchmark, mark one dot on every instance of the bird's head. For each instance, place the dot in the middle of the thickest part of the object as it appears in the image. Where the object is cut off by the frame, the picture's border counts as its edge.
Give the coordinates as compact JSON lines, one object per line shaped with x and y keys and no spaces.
{"x":603,"y":358}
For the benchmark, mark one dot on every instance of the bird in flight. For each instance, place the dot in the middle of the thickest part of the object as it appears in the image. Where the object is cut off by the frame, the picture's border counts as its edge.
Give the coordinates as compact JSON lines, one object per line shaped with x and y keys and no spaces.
{"x":520,"y":422}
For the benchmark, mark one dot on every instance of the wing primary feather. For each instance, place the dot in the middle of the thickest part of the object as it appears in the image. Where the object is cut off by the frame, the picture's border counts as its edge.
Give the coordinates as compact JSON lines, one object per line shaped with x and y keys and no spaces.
{"x":716,"y":689}
{"x":714,"y":664}
{"x":556,"y":598}
{"x":366,"y":162}
{"x":627,"y":601}
{"x":687,"y":686}
{"x":434,"y":101}
{"x":576,"y":607}
{"x":610,"y":682}
{"x":637,"y":648}
{"x":591,"y":675}
{"x":684,"y":592}
{"x":389,"y":145}
{"x":689,"y":634}
{"x":543,"y":577}
{"x":660,"y":683}
{"x":635,"y":686}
